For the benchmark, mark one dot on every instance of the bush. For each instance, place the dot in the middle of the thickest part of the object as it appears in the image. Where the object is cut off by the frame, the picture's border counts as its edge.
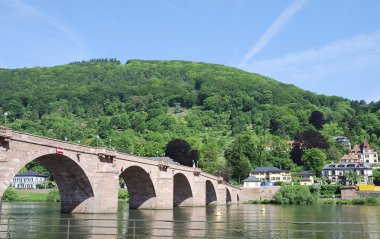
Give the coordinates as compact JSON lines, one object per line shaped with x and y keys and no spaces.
{"x":10,"y":195}
{"x":265,"y":201}
{"x":295,"y":194}
{"x":366,"y":201}
{"x":53,"y":196}
{"x":123,"y":194}
{"x":330,"y":189}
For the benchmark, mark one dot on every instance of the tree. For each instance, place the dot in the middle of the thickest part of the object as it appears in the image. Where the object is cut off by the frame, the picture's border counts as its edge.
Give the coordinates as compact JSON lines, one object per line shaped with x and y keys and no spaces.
{"x":179,"y":150}
{"x":296,"y":153}
{"x":317,"y":119}
{"x":238,"y":163}
{"x":376,"y":177}
{"x":312,"y":139}
{"x":314,"y":159}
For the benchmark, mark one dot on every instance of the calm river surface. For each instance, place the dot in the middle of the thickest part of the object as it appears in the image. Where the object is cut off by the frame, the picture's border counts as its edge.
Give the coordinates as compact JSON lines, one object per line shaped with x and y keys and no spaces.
{"x":44,"y":220}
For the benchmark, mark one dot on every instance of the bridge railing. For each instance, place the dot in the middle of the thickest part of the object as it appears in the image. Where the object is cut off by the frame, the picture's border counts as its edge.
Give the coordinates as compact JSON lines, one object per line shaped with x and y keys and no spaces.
{"x":135,"y":228}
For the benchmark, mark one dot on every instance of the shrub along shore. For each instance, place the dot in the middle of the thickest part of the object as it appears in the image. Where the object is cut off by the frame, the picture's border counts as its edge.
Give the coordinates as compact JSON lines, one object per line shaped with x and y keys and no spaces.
{"x":314,"y":194}
{"x":14,"y":195}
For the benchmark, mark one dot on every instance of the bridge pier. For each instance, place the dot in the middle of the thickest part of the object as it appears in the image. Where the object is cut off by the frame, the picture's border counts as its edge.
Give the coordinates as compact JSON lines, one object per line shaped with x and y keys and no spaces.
{"x":221,"y":195}
{"x":164,"y":196}
{"x":199,"y":194}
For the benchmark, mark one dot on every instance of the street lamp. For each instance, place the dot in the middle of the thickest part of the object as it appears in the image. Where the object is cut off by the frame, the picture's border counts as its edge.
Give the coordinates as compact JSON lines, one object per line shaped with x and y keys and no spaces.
{"x":111,"y":143}
{"x":97,"y":141}
{"x":5,"y":118}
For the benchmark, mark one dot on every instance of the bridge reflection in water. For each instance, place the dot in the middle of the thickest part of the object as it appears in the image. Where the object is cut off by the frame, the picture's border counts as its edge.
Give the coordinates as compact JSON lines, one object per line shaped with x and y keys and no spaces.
{"x":243,"y":221}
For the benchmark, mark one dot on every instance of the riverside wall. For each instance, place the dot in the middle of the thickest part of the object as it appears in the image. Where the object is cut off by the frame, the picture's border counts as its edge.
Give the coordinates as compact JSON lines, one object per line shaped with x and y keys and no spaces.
{"x":260,"y":193}
{"x":350,"y":194}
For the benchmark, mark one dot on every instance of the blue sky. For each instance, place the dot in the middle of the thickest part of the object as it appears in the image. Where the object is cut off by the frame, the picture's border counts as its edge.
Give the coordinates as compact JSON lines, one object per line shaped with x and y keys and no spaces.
{"x":329,"y":47}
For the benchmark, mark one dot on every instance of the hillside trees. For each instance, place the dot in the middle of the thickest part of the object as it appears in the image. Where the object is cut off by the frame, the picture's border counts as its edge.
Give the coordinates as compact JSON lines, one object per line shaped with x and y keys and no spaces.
{"x":180,"y":151}
{"x":314,"y":159}
{"x":133,"y":105}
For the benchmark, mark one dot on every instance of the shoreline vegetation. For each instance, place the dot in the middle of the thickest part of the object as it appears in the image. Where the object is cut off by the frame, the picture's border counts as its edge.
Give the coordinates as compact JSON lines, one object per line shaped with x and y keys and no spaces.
{"x":30,"y":195}
{"x":368,"y":201}
{"x":296,"y":195}
{"x":314,"y":194}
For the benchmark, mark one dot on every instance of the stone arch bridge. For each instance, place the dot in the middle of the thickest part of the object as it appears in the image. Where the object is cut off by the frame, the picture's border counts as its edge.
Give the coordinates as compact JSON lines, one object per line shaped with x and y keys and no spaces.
{"x":88,"y":177}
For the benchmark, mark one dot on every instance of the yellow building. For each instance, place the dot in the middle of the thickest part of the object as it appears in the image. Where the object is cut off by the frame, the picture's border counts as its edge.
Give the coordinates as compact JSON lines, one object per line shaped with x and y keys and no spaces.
{"x":271,"y":174}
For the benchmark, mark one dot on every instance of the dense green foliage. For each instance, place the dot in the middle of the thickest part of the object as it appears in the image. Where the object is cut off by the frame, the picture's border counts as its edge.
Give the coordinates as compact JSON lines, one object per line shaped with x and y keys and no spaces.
{"x":140,"y":106}
{"x":330,"y":190}
{"x":53,"y":196}
{"x":123,"y":194}
{"x":295,"y":194}
{"x":371,"y":201}
{"x":10,"y":195}
{"x":180,"y":151}
{"x":314,"y":159}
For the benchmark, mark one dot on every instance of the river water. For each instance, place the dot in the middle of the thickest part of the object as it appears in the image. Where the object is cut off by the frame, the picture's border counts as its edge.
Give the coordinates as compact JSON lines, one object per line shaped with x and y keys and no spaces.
{"x":44,"y":220}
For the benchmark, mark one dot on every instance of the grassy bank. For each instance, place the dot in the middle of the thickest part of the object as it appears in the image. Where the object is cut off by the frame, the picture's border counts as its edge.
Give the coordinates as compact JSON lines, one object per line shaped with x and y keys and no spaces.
{"x":31,"y":196}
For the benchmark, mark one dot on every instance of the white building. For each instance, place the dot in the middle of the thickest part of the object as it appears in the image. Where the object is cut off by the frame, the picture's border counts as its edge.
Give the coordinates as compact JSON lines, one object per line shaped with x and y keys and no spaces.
{"x":343,"y":141}
{"x":365,"y":154}
{"x":251,"y":182}
{"x":335,"y":171}
{"x":28,"y":180}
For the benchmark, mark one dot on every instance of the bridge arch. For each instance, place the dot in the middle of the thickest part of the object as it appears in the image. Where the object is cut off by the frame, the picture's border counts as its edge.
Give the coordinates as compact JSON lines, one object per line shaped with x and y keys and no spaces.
{"x":140,"y":187}
{"x":182,"y":193}
{"x":74,"y":185}
{"x":211,"y":197}
{"x":228,"y":196}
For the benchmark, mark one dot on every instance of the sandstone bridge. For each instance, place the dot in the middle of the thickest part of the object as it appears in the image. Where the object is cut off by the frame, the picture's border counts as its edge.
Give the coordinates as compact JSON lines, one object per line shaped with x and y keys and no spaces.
{"x":88,"y":177}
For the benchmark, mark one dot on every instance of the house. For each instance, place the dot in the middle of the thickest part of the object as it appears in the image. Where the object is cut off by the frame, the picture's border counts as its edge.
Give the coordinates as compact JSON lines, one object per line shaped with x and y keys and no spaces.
{"x":306,"y":177}
{"x":271,"y":174}
{"x":349,"y":158}
{"x":343,"y":141}
{"x":365,"y":154}
{"x":336,"y":171}
{"x":28,"y":180}
{"x":251,"y":182}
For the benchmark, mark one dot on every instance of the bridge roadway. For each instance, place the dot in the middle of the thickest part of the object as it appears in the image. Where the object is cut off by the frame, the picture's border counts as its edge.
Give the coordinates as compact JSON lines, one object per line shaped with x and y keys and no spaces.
{"x":88,"y":177}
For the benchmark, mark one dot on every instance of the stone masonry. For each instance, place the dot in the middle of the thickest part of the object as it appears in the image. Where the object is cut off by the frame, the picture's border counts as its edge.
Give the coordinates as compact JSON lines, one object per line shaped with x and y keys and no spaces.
{"x":87,"y":177}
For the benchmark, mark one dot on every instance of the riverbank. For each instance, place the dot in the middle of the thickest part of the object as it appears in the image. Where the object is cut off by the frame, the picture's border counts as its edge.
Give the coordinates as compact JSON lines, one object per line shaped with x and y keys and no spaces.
{"x":368,"y":201}
{"x":43,"y":195}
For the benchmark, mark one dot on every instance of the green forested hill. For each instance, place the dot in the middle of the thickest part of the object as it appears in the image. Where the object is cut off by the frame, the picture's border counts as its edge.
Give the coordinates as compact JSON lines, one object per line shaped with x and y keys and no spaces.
{"x":141,"y":105}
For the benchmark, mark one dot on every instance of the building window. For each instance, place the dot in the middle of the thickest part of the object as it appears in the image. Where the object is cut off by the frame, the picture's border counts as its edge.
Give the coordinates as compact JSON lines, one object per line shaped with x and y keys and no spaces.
{"x":367,"y":161}
{"x":367,"y":156}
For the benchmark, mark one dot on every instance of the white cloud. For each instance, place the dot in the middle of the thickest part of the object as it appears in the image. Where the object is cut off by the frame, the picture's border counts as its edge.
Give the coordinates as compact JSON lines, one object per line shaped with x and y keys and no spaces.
{"x":352,"y":62}
{"x":277,"y":25}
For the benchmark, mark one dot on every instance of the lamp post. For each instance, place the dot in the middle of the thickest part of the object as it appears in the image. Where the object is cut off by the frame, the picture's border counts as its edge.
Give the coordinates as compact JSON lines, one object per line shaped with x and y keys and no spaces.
{"x":110,"y":143}
{"x":97,"y":141}
{"x":5,"y":118}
